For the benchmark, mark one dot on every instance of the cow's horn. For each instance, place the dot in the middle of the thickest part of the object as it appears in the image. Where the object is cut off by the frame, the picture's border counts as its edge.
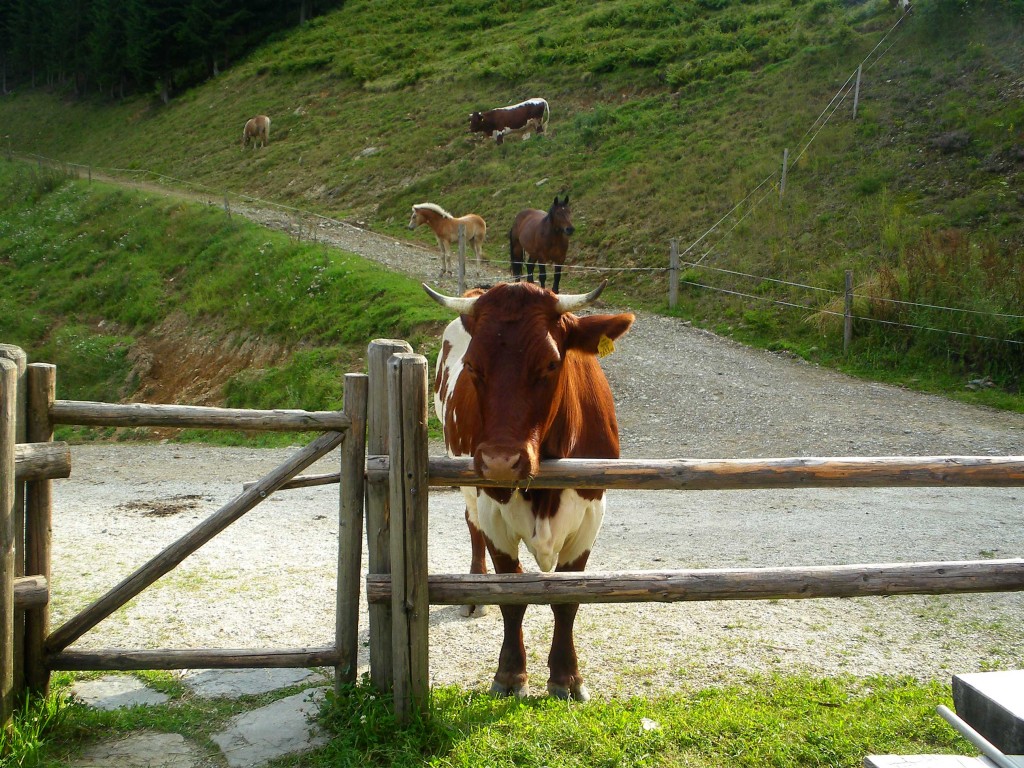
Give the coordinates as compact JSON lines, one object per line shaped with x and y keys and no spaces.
{"x":459,"y":304}
{"x":571,"y":302}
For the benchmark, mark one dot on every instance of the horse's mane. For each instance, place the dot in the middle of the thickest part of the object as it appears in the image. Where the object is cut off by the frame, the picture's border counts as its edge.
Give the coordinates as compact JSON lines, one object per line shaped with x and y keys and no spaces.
{"x":435,"y":208}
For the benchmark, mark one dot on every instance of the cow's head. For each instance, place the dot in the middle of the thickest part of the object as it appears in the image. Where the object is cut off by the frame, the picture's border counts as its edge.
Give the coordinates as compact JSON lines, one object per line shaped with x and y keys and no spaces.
{"x":561,"y":216}
{"x":476,"y":122}
{"x":527,"y":355}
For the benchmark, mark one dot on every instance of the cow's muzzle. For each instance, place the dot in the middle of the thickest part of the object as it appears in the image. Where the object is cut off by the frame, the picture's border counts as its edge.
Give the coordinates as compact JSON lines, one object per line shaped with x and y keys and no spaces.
{"x":504,"y":464}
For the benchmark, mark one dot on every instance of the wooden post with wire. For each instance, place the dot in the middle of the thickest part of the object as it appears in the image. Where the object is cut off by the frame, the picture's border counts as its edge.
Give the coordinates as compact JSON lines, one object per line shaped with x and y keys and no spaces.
{"x":856,"y":92}
{"x":673,"y":273}
{"x":462,"y":259}
{"x":848,"y":312}
{"x":785,"y":168}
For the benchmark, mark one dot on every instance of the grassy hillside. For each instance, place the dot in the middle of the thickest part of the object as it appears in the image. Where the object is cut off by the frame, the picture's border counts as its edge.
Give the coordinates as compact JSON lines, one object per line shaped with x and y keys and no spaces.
{"x":665,"y":117}
{"x":141,"y":297}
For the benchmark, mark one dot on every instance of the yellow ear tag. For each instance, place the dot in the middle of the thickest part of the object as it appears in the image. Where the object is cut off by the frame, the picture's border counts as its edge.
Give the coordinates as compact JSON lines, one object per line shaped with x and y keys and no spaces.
{"x":605,"y":347}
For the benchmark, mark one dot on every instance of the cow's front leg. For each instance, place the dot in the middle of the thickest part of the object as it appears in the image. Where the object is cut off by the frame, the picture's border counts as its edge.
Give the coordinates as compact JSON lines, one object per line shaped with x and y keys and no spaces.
{"x":565,"y":681}
{"x":478,"y":562}
{"x":511,"y":678}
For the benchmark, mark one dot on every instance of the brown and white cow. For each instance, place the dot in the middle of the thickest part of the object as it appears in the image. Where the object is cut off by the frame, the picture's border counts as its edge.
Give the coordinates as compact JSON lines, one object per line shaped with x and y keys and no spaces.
{"x":498,"y":122}
{"x":518,"y":381}
{"x":257,"y":130}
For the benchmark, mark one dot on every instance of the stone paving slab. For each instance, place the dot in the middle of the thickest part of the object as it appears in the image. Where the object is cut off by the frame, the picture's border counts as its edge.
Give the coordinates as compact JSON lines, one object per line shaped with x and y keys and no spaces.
{"x":232,"y":683}
{"x":281,"y":728}
{"x":142,"y":750}
{"x":117,"y":692}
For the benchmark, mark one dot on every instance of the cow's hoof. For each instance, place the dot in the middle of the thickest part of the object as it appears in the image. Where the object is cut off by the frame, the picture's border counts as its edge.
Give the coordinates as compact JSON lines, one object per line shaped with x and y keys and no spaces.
{"x":576,"y":691}
{"x":473,"y":611}
{"x":502,"y":690}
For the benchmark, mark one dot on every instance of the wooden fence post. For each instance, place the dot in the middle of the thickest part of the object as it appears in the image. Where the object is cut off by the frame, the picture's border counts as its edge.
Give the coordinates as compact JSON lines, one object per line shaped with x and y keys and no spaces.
{"x":378,"y":506}
{"x":785,"y":169}
{"x":42,"y":388}
{"x":17,"y":356}
{"x":462,"y":259}
{"x":8,"y":400}
{"x":350,"y":530}
{"x":673,"y":273}
{"x":848,"y":312}
{"x":410,"y":607}
{"x":856,"y":92}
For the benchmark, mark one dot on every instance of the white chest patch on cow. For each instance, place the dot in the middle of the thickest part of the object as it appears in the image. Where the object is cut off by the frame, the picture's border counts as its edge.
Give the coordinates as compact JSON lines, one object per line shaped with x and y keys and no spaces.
{"x":551,"y":540}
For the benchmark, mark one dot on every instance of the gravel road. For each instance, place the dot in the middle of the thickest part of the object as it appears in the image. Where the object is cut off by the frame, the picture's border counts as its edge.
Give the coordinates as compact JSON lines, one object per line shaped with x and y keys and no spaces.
{"x":681,"y":393}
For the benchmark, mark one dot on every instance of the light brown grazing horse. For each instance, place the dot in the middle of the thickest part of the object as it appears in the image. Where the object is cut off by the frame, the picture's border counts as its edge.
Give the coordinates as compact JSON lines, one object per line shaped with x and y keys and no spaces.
{"x":446,"y":230}
{"x":257,"y":129}
{"x":542,"y":237}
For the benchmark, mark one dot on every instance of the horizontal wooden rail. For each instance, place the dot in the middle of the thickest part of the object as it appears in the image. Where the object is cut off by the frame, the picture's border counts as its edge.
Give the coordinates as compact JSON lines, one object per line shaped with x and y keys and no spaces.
{"x":716,"y":584}
{"x":41,"y":461}
{"x":735,"y":474}
{"x":30,"y":592}
{"x":197,"y":658}
{"x":82,"y":412}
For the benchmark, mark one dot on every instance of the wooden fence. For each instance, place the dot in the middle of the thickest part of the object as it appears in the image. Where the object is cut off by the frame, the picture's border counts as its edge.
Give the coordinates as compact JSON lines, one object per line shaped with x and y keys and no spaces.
{"x":399,"y":655}
{"x":383,"y":433}
{"x":30,"y":460}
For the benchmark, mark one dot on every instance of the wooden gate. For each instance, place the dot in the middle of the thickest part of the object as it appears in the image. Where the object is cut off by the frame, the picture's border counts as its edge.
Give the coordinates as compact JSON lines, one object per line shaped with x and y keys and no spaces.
{"x":28,"y":413}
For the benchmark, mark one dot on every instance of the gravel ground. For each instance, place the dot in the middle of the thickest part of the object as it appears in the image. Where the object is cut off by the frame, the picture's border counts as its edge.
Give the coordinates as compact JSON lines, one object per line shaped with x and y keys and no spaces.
{"x":268,"y":581}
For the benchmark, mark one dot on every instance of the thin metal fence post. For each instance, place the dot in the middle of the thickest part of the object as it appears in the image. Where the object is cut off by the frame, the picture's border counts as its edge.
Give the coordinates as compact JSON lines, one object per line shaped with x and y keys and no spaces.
{"x":785,"y":169}
{"x":856,"y":92}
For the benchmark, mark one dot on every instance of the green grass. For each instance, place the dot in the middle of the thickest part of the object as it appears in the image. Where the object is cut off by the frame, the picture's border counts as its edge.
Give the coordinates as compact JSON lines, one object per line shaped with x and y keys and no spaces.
{"x":664,"y":117}
{"x":90,"y":274}
{"x":777,"y":721}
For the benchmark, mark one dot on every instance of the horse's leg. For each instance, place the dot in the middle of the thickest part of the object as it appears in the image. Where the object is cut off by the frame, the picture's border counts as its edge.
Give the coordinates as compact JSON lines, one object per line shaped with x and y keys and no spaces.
{"x":478,"y":562}
{"x":558,"y":276}
{"x":515,"y":250}
{"x":543,"y":273}
{"x":444,"y":254}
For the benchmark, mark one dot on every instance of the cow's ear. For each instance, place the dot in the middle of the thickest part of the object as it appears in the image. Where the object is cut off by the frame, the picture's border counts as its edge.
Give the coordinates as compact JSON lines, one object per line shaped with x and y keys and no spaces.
{"x":588,"y":333}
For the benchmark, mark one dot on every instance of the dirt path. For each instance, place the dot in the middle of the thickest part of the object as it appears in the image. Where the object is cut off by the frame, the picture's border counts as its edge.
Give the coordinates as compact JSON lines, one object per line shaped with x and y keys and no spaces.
{"x":681,"y":392}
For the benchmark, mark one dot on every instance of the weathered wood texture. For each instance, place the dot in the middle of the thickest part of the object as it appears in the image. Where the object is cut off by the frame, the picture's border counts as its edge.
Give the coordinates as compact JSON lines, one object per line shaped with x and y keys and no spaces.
{"x":193,"y":658}
{"x":930,"y":578}
{"x":350,"y":531}
{"x":17,"y":356}
{"x":410,"y":608}
{"x":171,"y":556}
{"x":726,"y":474}
{"x":378,"y":506}
{"x":31,"y":592}
{"x":193,"y":416}
{"x":42,"y":388}
{"x":42,"y":461}
{"x":8,"y":399}
{"x":733,"y":474}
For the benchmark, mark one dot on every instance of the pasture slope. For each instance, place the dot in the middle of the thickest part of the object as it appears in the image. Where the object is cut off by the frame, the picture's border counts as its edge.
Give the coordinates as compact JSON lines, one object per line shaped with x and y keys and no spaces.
{"x":664,"y":118}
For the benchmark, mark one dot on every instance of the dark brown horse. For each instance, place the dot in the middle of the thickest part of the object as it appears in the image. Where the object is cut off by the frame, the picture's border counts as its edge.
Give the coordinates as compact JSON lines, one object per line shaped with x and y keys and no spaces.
{"x":541,"y":237}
